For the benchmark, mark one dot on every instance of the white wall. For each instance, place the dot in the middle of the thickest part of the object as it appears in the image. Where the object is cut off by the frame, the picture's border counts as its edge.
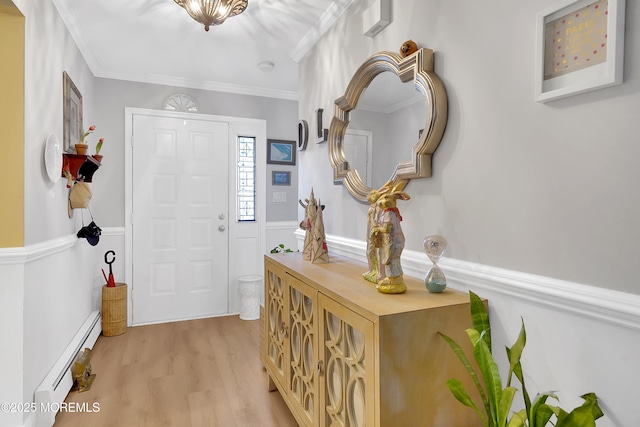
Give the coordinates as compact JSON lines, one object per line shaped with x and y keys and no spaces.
{"x":281,"y":232}
{"x":520,"y":189}
{"x":580,"y":338}
{"x":546,"y":189}
{"x":115,"y":95}
{"x":49,"y":50}
{"x":44,"y":292}
{"x":50,"y":286}
{"x":63,"y":284}
{"x":11,"y":356}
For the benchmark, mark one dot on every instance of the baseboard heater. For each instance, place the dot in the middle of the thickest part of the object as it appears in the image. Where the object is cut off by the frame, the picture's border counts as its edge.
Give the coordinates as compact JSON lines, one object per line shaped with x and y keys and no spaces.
{"x":56,"y":385}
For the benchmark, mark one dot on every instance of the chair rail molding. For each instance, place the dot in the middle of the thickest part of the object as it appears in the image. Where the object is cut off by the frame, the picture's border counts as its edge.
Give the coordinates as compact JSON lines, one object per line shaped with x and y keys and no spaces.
{"x":36,"y":251}
{"x":618,"y":308}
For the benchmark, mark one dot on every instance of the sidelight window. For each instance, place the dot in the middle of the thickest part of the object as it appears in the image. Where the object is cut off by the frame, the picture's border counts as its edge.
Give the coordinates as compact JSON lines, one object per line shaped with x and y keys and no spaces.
{"x":246,"y":179}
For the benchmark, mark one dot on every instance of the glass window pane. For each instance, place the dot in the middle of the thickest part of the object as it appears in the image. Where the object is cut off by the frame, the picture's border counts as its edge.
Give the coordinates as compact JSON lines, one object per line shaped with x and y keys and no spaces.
{"x":246,"y":191}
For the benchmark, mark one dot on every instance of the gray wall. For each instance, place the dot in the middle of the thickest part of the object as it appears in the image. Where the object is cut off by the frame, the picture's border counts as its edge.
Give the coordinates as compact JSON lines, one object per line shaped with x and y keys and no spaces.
{"x":49,"y":284}
{"x":548,"y":189}
{"x":115,"y":95}
{"x":49,"y":50}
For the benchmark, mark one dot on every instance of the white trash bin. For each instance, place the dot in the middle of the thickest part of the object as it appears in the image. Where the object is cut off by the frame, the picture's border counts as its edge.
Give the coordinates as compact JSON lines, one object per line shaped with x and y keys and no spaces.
{"x":250,"y":296}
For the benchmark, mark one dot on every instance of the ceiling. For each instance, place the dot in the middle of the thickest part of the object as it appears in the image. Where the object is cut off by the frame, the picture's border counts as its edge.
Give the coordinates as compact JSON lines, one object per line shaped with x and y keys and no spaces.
{"x":156,"y":41}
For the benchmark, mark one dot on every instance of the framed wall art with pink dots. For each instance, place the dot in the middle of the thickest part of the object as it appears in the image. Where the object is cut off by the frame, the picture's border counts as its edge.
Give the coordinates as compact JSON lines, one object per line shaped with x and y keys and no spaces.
{"x":580,"y":47}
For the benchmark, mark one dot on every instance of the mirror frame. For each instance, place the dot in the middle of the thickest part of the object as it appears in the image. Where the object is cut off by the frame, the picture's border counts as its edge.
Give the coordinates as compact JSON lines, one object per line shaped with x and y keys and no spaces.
{"x":419,"y":67}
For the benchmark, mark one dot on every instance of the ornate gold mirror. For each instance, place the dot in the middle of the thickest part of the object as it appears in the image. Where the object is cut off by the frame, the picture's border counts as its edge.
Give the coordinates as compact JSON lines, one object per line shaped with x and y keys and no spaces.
{"x":388,"y":123}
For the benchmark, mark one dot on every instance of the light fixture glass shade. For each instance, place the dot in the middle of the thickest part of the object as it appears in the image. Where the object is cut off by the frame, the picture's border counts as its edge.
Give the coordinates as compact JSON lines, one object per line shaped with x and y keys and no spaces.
{"x":212,"y":12}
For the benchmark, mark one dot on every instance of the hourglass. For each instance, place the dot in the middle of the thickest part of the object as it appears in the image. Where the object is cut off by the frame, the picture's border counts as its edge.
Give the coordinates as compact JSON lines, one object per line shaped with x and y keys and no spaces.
{"x":434,"y":246}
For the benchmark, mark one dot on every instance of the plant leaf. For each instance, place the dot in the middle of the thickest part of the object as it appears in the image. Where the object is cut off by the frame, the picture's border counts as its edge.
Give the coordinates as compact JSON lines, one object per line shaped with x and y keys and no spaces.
{"x":593,"y":399}
{"x":490,"y":372}
{"x":584,"y":415}
{"x":517,"y":370}
{"x":465,"y":362}
{"x":515,"y":352}
{"x":560,"y":413}
{"x":540,"y":413}
{"x":505,"y":405}
{"x":480,"y":317}
{"x":518,"y":419}
{"x":463,"y":397}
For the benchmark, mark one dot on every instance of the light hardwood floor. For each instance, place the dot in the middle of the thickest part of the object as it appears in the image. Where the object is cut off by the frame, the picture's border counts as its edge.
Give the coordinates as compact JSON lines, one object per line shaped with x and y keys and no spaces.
{"x":204,"y":372}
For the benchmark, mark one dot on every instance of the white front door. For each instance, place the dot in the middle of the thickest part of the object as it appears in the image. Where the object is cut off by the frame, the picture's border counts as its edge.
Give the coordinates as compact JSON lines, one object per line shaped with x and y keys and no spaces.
{"x":180,"y":215}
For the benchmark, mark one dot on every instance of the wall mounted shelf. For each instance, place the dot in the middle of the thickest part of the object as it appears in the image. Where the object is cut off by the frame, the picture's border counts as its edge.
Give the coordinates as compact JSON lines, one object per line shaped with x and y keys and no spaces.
{"x":82,"y":167}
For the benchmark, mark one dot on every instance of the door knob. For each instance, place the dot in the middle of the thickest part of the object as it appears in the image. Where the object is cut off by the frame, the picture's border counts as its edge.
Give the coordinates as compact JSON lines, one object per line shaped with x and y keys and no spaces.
{"x":221,"y":216}
{"x":221,"y":228}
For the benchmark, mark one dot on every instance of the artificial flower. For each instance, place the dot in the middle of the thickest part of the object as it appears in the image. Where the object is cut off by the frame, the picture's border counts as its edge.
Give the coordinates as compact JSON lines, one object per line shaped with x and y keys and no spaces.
{"x":99,"y":145}
{"x":84,"y":134}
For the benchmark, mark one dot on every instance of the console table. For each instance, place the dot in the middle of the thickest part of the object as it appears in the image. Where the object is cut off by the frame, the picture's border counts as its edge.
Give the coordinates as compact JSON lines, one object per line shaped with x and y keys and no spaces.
{"x":343,"y":354}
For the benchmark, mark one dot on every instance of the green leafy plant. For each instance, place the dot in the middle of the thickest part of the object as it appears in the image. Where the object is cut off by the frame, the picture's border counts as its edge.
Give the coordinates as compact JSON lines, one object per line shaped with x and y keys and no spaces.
{"x":495,"y":408}
{"x":280,"y":248}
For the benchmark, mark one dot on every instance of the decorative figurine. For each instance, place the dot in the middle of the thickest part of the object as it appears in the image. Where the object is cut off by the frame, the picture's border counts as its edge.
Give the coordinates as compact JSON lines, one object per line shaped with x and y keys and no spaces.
{"x":81,"y":371}
{"x":389,"y":233}
{"x":434,"y":246}
{"x":315,"y":242}
{"x":408,"y":48}
{"x":373,"y":241}
{"x":319,"y":250}
{"x":307,"y":224}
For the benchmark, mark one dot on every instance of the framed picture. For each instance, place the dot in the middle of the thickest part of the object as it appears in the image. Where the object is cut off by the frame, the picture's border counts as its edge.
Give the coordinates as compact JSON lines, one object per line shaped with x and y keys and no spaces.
{"x":281,"y":152}
{"x":580,"y":47}
{"x":280,"y":178}
{"x":72,"y":112}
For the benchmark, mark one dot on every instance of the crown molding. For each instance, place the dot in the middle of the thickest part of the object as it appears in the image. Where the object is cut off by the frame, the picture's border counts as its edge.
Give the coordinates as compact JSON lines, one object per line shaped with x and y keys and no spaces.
{"x":71,"y":22}
{"x":206,"y":85}
{"x":326,"y":21}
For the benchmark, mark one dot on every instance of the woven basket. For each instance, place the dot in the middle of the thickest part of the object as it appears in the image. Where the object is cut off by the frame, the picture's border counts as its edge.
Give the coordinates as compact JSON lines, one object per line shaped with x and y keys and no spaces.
{"x":114,"y":310}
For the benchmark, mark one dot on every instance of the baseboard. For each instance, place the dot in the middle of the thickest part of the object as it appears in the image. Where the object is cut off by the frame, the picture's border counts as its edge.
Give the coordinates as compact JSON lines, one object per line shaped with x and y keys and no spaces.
{"x":56,"y":385}
{"x":606,"y":305}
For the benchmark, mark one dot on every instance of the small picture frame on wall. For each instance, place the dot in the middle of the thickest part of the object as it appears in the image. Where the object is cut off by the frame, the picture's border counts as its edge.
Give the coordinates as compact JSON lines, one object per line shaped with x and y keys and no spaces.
{"x":579,"y":48}
{"x":281,"y":152}
{"x":280,"y":178}
{"x":72,"y":112}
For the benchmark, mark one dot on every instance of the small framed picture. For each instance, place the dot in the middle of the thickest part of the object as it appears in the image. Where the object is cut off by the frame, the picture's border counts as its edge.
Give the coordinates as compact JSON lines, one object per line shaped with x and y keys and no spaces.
{"x":280,"y":178}
{"x":580,"y":47}
{"x":281,"y":152}
{"x":72,"y":112}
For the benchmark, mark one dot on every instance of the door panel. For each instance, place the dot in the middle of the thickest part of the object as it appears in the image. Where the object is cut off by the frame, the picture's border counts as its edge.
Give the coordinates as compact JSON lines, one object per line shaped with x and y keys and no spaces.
{"x":303,"y":360}
{"x":180,"y":244}
{"x":348,"y":384}
{"x":357,"y":148}
{"x":276,"y":324}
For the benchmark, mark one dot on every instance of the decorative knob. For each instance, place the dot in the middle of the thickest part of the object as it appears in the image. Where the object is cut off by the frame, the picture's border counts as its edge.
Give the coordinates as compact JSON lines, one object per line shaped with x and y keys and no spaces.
{"x":320,"y":368}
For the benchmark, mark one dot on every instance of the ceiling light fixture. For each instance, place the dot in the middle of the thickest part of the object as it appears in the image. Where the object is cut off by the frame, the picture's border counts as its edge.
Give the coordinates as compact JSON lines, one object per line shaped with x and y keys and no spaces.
{"x":212,"y":12}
